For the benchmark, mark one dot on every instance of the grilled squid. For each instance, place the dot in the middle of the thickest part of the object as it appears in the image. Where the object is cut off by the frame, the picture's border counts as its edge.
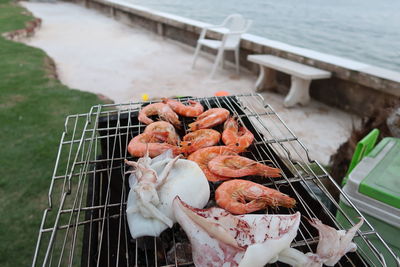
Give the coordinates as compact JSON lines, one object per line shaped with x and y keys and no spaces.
{"x":154,"y":183}
{"x":219,"y":238}
{"x":332,"y":246}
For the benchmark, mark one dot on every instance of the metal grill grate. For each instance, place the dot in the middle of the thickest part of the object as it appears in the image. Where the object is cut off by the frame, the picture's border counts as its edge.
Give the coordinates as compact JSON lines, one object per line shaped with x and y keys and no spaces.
{"x":85,"y":222}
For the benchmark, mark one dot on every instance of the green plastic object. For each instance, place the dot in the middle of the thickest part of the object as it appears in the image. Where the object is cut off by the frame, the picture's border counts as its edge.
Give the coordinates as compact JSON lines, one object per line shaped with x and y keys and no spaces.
{"x":388,"y":232}
{"x":374,"y":188}
{"x":363,"y":148}
{"x":383,"y":182}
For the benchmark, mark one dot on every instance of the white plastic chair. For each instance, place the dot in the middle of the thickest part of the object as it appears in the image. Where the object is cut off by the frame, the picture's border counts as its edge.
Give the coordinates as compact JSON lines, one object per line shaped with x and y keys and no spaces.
{"x":232,"y":27}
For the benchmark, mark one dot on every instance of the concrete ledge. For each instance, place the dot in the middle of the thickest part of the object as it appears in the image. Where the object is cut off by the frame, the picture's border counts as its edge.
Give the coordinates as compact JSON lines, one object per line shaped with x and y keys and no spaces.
{"x":354,"y":86}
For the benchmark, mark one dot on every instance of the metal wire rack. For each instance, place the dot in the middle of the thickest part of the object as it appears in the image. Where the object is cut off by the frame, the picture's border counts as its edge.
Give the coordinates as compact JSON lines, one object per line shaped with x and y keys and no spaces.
{"x":85,"y":222}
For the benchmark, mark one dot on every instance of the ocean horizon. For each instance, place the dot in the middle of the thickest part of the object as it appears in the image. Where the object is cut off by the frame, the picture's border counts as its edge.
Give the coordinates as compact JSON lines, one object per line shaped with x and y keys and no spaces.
{"x":367,"y":31}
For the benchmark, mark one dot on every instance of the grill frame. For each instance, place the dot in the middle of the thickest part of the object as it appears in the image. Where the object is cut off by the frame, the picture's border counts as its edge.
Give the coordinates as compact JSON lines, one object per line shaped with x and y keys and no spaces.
{"x":77,"y":224}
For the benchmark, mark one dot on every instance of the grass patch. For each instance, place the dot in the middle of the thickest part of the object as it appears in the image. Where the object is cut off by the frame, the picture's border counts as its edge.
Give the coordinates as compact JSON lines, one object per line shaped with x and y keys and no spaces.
{"x":33,"y":107}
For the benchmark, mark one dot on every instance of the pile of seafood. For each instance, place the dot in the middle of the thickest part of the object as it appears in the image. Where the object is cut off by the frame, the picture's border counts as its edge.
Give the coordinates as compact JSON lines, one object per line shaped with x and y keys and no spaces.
{"x":170,"y":183}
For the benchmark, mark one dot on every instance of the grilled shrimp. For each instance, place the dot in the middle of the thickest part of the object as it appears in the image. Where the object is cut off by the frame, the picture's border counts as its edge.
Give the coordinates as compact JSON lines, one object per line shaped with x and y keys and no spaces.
{"x":237,"y":166}
{"x":210,"y":118}
{"x":199,"y":139}
{"x":235,"y":136}
{"x":242,"y":196}
{"x":192,"y":110}
{"x":163,"y":126}
{"x":162,"y":110}
{"x":155,"y":142}
{"x":204,"y":155}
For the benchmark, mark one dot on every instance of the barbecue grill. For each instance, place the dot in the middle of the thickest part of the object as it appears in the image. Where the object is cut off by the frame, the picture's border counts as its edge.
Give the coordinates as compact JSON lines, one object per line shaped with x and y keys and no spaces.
{"x":85,"y":222}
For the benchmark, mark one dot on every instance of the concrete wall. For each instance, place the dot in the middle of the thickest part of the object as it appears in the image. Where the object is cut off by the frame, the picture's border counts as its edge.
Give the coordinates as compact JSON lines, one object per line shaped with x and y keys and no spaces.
{"x":354,"y":86}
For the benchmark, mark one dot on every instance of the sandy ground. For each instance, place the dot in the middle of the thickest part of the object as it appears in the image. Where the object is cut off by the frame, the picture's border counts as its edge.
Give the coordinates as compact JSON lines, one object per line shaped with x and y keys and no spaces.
{"x":97,"y":54}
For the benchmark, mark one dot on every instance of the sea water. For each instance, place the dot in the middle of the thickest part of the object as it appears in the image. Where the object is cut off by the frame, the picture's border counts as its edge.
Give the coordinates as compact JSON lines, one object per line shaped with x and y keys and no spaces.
{"x":364,"y":30}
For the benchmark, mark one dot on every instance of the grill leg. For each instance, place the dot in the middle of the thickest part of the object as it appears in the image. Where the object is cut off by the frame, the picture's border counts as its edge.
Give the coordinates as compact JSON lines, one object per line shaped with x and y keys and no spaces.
{"x":298,"y":93}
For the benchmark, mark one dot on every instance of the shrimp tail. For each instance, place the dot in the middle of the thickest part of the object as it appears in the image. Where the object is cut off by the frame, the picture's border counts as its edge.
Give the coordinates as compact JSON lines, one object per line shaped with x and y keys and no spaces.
{"x":284,"y":201}
{"x":186,"y":147}
{"x":276,"y":199}
{"x":269,"y":171}
{"x":176,"y":150}
{"x":146,"y":120}
{"x":193,"y":126}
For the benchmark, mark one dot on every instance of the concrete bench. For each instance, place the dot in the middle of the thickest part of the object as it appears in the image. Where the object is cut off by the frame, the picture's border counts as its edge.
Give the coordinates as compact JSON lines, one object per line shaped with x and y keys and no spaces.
{"x":302,"y":75}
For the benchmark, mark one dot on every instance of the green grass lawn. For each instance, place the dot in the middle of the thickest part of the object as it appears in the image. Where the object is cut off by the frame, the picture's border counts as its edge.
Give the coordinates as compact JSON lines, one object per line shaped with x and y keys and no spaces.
{"x":33,"y":107}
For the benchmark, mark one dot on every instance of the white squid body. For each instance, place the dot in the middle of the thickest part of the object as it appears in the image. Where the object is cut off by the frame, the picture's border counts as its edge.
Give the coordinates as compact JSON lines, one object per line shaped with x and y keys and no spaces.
{"x":219,"y":238}
{"x":149,"y":207}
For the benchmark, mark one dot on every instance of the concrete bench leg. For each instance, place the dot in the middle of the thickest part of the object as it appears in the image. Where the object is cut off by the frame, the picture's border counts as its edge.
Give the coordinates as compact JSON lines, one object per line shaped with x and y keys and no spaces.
{"x":299,"y":92}
{"x":266,"y":79}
